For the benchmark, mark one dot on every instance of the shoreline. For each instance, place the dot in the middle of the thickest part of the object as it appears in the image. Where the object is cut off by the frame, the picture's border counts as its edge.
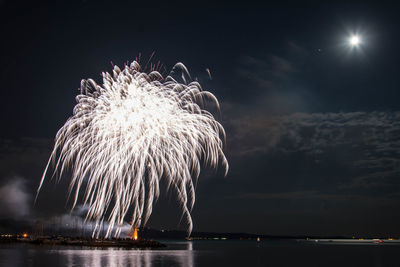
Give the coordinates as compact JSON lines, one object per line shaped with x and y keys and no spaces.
{"x":84,"y":242}
{"x":353,"y":241}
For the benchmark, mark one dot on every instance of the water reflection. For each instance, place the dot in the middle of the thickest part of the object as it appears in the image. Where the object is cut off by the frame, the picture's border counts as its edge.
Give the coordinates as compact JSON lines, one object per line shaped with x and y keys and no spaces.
{"x":205,"y":253}
{"x":181,"y":255}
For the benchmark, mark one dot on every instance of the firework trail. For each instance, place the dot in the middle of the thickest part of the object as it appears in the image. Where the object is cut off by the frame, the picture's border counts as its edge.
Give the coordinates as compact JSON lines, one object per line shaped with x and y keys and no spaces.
{"x":128,"y":134}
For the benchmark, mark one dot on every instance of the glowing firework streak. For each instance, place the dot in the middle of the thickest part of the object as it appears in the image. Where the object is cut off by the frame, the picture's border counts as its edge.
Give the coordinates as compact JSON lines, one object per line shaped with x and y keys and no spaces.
{"x":127,"y":134}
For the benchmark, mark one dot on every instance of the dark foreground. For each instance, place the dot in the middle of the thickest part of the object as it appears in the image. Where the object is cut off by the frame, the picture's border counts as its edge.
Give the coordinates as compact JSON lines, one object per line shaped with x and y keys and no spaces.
{"x":83,"y":242}
{"x":208,"y":253}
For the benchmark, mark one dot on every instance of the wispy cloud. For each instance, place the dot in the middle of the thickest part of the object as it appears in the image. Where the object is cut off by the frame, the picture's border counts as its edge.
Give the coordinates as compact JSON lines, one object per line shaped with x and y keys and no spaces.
{"x":367,"y":142}
{"x":265,"y":72}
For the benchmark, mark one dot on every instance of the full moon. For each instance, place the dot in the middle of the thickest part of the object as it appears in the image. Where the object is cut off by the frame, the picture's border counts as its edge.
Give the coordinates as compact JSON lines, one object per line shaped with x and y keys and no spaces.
{"x":354,"y":40}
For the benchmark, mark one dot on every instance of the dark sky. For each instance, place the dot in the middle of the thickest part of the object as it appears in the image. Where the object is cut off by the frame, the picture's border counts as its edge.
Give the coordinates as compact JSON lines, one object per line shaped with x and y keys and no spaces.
{"x":313,"y":130}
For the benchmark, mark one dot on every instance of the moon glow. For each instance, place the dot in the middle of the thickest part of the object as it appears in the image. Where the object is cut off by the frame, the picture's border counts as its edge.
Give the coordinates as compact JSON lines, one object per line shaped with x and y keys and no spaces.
{"x":354,"y":40}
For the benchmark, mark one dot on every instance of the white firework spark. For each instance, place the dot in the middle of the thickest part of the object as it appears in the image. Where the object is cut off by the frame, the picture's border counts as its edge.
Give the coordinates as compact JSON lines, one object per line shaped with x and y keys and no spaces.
{"x":128,"y":134}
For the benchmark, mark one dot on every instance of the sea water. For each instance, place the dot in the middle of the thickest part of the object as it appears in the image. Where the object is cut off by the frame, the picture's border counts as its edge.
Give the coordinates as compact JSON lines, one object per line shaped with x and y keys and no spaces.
{"x":206,"y":253}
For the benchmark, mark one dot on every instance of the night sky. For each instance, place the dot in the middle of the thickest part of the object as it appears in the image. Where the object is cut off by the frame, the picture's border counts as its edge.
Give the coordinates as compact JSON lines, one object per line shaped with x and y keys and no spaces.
{"x":312,"y":124}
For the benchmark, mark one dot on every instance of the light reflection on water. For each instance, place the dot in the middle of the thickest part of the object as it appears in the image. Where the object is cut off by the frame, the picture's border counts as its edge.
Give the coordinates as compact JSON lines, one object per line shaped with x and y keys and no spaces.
{"x":232,"y":253}
{"x":122,"y":257}
{"x":180,"y":254}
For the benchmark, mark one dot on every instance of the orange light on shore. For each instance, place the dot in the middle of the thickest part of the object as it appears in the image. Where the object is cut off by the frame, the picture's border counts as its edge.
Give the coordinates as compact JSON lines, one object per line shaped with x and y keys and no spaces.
{"x":135,"y":234}
{"x":24,"y":235}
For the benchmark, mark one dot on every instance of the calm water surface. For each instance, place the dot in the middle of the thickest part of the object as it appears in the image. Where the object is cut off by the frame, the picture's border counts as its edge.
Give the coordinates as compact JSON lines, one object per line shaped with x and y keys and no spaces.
{"x":206,"y":253}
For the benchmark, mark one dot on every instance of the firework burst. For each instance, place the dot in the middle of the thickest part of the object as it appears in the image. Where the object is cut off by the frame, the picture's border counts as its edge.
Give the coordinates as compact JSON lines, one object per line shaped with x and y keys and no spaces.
{"x":128,"y":134}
